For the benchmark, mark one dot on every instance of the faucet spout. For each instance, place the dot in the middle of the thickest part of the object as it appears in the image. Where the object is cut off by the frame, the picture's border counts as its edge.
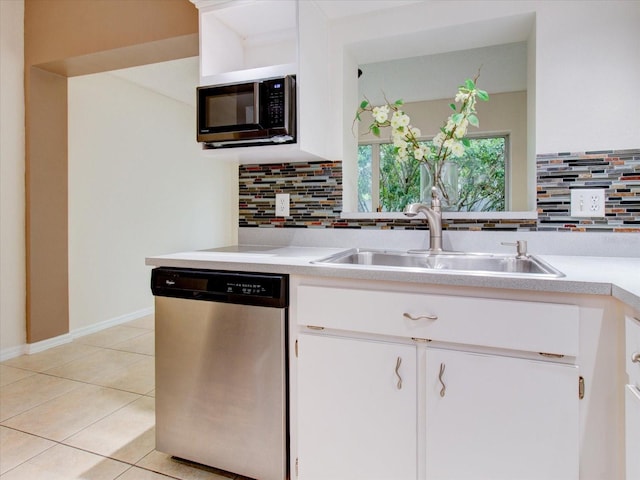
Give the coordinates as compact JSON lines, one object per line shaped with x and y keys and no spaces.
{"x":434,"y":217}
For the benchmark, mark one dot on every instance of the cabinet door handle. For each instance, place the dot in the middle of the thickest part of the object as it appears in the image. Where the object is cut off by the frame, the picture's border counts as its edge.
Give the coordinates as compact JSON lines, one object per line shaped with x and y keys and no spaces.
{"x":398,"y":363}
{"x":443,"y":390}
{"x":428,"y":316}
{"x":635,"y":358}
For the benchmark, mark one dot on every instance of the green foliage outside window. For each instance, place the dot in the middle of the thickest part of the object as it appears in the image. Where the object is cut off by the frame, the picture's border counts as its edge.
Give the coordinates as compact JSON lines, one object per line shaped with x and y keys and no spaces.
{"x":364,"y":178}
{"x":481,"y":177}
{"x":399,"y":181}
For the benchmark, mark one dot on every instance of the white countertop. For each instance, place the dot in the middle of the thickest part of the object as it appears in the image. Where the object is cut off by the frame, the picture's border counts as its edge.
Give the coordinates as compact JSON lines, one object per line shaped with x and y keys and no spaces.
{"x":616,"y":276}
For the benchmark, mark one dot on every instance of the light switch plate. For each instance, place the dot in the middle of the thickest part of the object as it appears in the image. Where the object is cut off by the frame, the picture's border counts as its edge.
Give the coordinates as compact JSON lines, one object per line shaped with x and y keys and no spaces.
{"x":282,"y":204}
{"x":587,"y":202}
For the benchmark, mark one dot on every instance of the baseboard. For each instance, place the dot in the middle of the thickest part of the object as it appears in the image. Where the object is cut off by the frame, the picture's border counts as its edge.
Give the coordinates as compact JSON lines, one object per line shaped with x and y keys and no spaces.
{"x":112,"y":322}
{"x":31,"y":348}
{"x":11,"y":352}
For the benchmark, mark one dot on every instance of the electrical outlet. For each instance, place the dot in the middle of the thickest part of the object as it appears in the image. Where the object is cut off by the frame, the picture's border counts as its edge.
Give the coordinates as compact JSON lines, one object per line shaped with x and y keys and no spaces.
{"x":587,"y":202}
{"x":282,"y":204}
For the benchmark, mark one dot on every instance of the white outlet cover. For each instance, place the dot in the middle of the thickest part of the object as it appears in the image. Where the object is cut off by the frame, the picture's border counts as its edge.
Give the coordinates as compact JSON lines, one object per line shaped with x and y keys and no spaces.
{"x":282,"y":204}
{"x":587,"y":202}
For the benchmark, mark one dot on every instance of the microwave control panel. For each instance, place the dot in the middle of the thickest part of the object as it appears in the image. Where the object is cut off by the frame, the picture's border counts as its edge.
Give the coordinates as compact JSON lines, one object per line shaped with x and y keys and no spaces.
{"x":274,"y":102}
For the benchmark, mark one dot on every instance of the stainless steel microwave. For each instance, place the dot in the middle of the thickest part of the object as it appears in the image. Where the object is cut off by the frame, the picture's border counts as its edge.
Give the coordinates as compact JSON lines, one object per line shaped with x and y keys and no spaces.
{"x":260,"y":112}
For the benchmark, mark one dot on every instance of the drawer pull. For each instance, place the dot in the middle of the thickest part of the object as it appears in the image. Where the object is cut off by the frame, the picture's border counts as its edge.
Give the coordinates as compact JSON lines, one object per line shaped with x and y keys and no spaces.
{"x":314,"y":327}
{"x":419,"y":317}
{"x":551,"y":355}
{"x":443,"y":390}
{"x":421,"y":340}
{"x":398,"y":363}
{"x":635,"y":358}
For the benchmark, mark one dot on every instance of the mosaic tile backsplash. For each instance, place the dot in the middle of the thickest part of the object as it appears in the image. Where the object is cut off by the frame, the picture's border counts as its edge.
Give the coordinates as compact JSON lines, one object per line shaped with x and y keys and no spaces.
{"x":315,"y":190}
{"x":616,"y":171}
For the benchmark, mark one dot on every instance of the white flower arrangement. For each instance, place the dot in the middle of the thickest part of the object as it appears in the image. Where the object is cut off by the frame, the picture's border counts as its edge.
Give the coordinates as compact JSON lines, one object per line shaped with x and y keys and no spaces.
{"x":450,"y":142}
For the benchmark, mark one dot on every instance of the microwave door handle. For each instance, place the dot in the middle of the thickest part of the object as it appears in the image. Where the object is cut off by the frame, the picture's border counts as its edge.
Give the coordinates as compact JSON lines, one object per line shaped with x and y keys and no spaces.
{"x":289,"y":103}
{"x":256,"y":103}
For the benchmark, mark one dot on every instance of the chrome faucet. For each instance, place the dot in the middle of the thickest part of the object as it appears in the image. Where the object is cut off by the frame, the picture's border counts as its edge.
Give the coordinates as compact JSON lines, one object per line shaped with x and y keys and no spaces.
{"x":434,"y":217}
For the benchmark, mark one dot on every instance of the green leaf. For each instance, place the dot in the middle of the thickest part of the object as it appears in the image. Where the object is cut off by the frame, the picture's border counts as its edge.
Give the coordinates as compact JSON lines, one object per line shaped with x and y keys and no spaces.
{"x":466,"y":142}
{"x":375,"y":130}
{"x":399,"y":102}
{"x":358,"y":117}
{"x":364,"y":104}
{"x":469,"y":84}
{"x":453,"y":106}
{"x":473,"y":120}
{"x":482,"y":95}
{"x":457,"y":118}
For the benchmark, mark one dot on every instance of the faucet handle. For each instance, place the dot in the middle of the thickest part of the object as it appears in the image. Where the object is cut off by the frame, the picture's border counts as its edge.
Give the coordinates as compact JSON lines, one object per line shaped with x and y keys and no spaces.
{"x":435,"y":198}
{"x":521,"y":247}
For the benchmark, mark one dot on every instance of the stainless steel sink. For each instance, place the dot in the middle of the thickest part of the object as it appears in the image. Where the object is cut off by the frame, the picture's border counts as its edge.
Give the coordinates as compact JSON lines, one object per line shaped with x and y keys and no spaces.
{"x":460,"y":262}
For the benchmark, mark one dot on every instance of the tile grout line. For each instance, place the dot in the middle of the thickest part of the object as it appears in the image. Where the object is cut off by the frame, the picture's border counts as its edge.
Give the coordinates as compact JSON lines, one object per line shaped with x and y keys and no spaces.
{"x":56,"y":443}
{"x":91,"y":383}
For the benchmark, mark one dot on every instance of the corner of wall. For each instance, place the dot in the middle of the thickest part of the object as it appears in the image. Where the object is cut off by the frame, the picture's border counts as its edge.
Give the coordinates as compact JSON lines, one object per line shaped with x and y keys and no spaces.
{"x":12,"y":189}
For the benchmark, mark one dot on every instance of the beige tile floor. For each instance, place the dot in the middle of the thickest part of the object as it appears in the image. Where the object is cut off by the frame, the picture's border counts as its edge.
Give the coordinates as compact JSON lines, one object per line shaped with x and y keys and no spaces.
{"x":85,"y":410}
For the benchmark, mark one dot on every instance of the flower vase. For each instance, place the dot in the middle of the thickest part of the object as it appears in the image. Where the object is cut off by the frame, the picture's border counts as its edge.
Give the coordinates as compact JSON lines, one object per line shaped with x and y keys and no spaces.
{"x":447,"y":185}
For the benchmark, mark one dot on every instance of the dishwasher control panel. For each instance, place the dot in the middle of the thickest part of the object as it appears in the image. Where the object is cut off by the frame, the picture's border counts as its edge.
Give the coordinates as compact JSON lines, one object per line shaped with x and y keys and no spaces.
{"x":247,"y":288}
{"x":261,"y":289}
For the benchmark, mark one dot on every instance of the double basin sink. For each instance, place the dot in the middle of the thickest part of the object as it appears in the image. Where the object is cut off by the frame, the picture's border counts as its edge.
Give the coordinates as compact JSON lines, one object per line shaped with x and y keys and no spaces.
{"x":455,"y":262}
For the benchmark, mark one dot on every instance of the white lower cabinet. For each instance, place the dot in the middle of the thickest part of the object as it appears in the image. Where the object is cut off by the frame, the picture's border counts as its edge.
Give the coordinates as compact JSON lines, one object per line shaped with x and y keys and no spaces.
{"x":495,"y":417}
{"x":356,"y":409}
{"x":632,"y":397}
{"x":395,"y":385}
{"x":632,"y":420}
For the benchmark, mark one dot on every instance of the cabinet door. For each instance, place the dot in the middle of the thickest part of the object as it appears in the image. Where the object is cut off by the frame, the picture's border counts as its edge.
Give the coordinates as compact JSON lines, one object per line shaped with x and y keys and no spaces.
{"x":492,"y":417}
{"x":632,"y":334}
{"x":632,"y":428}
{"x":356,"y":409}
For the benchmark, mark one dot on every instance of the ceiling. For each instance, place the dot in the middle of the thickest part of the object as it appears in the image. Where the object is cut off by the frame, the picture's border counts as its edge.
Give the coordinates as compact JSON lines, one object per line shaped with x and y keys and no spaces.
{"x":342,"y":8}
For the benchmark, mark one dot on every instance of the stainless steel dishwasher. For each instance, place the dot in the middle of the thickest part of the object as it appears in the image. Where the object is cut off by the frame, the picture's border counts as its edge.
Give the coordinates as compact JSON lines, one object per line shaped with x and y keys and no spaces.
{"x":221,"y":369}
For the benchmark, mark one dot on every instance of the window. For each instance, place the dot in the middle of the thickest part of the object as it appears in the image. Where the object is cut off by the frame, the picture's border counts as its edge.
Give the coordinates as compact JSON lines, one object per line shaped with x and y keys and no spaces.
{"x":386,"y":185}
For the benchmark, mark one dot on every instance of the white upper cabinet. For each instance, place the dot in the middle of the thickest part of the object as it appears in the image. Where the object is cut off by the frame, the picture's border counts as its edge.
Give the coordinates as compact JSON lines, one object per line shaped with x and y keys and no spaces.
{"x":242,"y":40}
{"x":246,"y":40}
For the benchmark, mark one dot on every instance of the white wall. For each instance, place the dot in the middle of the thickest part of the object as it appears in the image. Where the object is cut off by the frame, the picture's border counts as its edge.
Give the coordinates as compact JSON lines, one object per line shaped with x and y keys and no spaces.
{"x":138,"y":186}
{"x":503,"y":68}
{"x":588,"y":65}
{"x":12,"y":183}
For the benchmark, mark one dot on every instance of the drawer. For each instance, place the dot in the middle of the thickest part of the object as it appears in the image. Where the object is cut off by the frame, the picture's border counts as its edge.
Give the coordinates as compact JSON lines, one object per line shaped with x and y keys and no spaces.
{"x":632,"y":333}
{"x":518,"y":325}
